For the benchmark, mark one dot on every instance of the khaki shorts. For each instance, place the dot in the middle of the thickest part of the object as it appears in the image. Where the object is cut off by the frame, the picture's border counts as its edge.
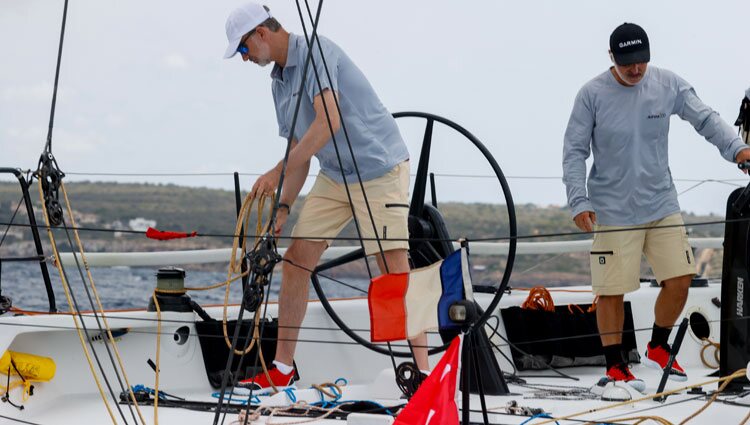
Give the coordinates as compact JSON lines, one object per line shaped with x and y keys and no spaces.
{"x":326,"y":211}
{"x":616,"y":256}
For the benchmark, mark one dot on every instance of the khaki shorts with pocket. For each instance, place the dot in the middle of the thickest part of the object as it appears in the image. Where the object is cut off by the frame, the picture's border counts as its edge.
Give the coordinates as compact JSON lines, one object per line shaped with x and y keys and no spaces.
{"x":616,"y":256}
{"x":326,"y":211}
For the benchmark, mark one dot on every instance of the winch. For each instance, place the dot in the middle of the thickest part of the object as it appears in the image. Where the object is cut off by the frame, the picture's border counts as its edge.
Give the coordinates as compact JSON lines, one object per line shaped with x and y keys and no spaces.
{"x":170,"y":291}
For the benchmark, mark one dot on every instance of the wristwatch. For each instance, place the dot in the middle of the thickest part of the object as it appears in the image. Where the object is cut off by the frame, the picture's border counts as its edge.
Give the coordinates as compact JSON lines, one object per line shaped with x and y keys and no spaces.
{"x":283,"y":205}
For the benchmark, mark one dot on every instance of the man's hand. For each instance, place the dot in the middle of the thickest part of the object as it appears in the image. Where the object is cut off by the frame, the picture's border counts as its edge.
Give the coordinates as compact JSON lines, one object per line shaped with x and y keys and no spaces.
{"x":586,"y":220}
{"x":742,"y":156}
{"x":281,"y":215}
{"x":266,"y":184}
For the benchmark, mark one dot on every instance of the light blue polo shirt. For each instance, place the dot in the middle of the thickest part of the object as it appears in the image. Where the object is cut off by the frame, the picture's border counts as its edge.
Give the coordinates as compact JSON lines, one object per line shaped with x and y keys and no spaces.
{"x":627,"y":130}
{"x":374,"y":135}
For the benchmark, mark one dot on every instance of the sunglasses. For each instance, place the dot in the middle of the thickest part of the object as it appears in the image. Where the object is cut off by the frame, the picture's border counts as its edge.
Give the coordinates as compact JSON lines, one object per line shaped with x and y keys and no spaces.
{"x":242,"y":49}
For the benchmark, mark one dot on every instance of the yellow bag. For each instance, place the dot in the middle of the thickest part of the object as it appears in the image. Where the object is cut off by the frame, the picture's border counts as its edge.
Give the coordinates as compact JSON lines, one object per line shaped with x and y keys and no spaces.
{"x":32,"y":368}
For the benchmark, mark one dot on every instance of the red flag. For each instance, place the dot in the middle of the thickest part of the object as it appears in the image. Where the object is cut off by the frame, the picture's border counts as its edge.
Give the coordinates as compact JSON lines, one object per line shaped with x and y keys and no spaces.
{"x":387,"y":308}
{"x":434,"y":403}
{"x":152,"y":233}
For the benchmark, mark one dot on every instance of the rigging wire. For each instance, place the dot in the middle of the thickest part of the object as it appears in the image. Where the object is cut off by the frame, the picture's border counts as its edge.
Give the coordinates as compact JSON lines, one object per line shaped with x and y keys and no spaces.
{"x":100,"y":328}
{"x":340,"y":282}
{"x":478,"y":239}
{"x":48,"y":145}
{"x":334,"y":329}
{"x":48,"y":149}
{"x":243,"y":223}
{"x":452,"y":175}
{"x":126,"y":388}
{"x":12,"y":219}
{"x":310,"y":41}
{"x":73,"y":305}
{"x":272,"y":221}
{"x":20,"y":421}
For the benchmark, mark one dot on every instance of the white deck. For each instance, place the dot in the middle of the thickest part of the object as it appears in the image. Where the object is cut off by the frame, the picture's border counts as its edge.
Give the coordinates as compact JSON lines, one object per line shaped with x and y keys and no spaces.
{"x":71,"y":396}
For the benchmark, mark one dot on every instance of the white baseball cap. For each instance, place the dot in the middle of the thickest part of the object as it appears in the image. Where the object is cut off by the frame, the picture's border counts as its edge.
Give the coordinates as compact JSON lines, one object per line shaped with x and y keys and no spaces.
{"x":240,"y":22}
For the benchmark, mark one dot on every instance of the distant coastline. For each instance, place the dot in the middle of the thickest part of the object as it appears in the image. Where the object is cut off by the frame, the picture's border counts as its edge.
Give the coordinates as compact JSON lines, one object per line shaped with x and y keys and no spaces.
{"x":111,"y":207}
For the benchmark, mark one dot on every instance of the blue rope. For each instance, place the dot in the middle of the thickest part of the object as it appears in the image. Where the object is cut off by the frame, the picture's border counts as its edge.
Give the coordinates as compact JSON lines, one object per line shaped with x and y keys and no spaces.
{"x":541,"y":415}
{"x":290,"y":393}
{"x":151,"y":391}
{"x":243,"y":401}
{"x":328,"y":404}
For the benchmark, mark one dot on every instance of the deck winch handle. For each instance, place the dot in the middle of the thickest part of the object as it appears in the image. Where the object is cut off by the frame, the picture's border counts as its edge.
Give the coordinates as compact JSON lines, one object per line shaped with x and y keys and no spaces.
{"x":745,"y":165}
{"x":672,"y":355}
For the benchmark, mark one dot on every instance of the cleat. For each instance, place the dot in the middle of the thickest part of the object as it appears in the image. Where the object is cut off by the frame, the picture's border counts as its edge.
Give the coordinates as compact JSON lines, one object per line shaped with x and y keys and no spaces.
{"x":658,"y":357}
{"x":260,"y":384}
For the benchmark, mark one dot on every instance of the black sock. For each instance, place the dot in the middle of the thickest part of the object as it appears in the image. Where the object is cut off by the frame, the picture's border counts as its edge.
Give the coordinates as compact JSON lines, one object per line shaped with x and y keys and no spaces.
{"x":613,"y":354}
{"x":660,"y":336}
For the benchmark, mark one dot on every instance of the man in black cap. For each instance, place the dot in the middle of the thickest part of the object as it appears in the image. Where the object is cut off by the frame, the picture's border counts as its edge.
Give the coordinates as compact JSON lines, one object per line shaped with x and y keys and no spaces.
{"x":743,"y":120}
{"x":622,"y":116}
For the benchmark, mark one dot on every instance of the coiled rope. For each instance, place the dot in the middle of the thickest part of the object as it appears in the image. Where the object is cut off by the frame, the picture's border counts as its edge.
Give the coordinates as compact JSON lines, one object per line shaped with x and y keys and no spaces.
{"x":539,"y":299}
{"x":247,"y":418}
{"x":708,"y":343}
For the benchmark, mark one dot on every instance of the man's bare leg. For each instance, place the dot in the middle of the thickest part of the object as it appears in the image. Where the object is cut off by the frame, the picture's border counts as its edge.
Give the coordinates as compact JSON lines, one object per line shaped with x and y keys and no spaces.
{"x":671,"y":300}
{"x":294,"y":294}
{"x":398,"y":262}
{"x":610,"y":318}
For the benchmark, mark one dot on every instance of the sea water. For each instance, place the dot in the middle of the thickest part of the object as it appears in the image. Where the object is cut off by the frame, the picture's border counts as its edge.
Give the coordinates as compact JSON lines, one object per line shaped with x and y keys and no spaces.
{"x":131,"y":287}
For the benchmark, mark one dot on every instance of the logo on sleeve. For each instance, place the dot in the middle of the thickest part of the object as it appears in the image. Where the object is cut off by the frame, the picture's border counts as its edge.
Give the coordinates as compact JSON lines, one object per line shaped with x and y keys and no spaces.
{"x":657,"y":116}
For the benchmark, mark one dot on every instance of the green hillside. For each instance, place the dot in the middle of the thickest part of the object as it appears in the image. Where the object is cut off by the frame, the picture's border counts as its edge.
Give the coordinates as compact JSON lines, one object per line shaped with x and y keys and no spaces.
{"x":112,"y":206}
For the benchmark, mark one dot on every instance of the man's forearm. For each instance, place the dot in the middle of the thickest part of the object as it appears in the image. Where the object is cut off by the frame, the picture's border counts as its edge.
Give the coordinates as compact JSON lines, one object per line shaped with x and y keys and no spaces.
{"x":294,"y":182}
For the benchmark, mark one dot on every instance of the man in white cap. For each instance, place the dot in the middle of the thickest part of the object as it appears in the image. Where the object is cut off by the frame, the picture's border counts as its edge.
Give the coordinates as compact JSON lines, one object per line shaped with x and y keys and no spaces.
{"x":623,"y":115}
{"x":381,"y":160}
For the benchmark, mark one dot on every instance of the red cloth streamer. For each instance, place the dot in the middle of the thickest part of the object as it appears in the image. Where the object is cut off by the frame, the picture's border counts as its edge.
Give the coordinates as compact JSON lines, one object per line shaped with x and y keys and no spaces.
{"x":161,"y":235}
{"x":434,"y":403}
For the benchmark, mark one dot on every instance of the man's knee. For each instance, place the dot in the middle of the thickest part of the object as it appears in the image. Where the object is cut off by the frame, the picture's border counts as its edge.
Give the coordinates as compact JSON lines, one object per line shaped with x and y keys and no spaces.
{"x":302,"y":256}
{"x":680,"y":283}
{"x":395,"y":261}
{"x":610,"y":299}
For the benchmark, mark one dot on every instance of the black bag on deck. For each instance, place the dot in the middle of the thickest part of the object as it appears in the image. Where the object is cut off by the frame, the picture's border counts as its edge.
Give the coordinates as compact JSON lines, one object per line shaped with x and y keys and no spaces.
{"x":567,"y":337}
{"x":215,"y":350}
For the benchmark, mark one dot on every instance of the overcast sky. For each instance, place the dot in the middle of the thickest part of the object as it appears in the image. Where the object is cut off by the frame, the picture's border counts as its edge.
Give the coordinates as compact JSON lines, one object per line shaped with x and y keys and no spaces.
{"x":144,"y":88}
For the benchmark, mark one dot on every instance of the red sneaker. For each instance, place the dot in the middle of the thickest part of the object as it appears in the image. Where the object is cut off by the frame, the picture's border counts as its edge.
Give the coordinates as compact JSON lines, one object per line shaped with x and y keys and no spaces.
{"x":261,"y":384}
{"x":658,"y":357}
{"x":620,"y":372}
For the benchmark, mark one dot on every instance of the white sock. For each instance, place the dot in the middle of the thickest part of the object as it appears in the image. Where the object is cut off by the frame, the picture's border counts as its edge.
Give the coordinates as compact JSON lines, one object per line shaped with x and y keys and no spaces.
{"x":285,"y":369}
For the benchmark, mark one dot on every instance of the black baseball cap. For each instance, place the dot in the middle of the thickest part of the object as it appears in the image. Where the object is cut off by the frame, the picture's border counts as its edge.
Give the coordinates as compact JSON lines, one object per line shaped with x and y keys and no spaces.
{"x":629,"y":44}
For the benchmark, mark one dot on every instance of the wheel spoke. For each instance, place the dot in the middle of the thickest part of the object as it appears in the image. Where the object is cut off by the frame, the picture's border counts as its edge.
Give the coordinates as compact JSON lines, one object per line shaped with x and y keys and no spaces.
{"x":420,"y":183}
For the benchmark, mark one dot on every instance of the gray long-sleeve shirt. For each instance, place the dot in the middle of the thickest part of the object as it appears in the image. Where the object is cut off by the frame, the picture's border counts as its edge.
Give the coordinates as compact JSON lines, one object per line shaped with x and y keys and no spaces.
{"x":627,"y":129}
